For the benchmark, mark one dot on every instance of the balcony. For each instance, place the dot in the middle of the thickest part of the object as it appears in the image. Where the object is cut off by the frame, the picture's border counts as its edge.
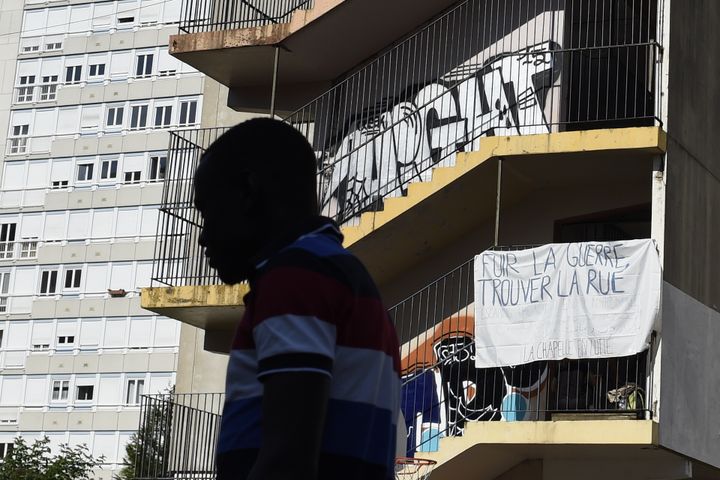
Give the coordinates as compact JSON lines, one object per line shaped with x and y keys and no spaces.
{"x":319,"y":40}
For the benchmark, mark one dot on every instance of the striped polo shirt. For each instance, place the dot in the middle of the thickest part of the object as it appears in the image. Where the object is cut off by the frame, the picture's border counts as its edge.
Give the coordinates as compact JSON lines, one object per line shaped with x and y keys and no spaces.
{"x":313,"y":307}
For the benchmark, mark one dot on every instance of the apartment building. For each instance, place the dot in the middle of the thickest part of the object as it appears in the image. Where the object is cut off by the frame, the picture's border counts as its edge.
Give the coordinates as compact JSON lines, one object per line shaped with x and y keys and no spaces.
{"x":487,"y":160}
{"x":89,"y":95}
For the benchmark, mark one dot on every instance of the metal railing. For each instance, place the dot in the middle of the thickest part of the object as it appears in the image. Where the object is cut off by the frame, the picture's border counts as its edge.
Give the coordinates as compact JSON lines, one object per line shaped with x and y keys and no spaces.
{"x":443,"y":390}
{"x":211,"y":15}
{"x":483,"y":68}
{"x":177,"y":436}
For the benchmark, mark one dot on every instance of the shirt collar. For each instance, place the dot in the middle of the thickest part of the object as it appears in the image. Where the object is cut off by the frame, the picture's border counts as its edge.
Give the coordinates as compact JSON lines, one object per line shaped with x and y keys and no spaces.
{"x":312,"y":226}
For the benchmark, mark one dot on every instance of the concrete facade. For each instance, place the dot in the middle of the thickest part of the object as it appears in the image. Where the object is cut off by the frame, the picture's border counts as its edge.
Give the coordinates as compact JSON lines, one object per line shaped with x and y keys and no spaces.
{"x":88,"y":96}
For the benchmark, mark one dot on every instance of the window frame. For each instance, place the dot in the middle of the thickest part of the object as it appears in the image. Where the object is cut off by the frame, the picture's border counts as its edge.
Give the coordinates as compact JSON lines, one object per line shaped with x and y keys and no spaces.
{"x":63,"y":387}
{"x":51,"y":283}
{"x":89,"y":170}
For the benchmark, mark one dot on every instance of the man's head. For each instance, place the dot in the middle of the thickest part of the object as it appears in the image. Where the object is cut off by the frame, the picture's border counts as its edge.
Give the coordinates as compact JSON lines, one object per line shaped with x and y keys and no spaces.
{"x":251,"y":184}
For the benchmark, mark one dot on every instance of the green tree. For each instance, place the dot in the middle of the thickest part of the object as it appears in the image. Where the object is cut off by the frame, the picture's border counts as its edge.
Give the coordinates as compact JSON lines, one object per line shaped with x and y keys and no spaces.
{"x":35,"y":462}
{"x":147,"y":452}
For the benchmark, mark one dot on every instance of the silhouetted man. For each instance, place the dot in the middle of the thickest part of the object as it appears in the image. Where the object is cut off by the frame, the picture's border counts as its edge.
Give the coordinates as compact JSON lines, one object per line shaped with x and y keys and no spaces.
{"x":313,"y":384}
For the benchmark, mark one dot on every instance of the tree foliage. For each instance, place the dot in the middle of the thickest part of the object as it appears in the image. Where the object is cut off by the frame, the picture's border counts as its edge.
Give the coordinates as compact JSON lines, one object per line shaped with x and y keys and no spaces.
{"x":36,"y":462}
{"x":147,"y":452}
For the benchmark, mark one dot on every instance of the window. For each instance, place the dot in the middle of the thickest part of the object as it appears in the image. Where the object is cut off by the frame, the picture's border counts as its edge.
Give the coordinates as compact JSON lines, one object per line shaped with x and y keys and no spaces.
{"x":48,"y":282}
{"x":48,"y":89}
{"x":39,"y":347}
{"x":72,"y":278}
{"x":30,"y":48}
{"x":56,"y":184}
{"x":132,"y":177}
{"x":53,"y":46}
{"x":28,"y":248}
{"x":144,"y":65}
{"x":6,"y":449}
{"x":188,"y":110}
{"x":138,"y":116}
{"x":26,"y":89}
{"x":60,"y":389}
{"x":115,"y":116}
{"x":135,"y":388}
{"x":18,"y":144}
{"x":97,"y":70}
{"x":108,"y":169}
{"x":158,"y":164}
{"x":85,"y":172}
{"x":85,"y":392}
{"x":66,"y":340}
{"x":7,"y":239}
{"x":163,"y":116}
{"x":73,"y":74}
{"x":4,"y":291}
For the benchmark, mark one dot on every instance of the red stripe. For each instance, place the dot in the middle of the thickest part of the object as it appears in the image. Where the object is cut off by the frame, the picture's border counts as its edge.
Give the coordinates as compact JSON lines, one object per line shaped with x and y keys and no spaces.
{"x":361,"y":322}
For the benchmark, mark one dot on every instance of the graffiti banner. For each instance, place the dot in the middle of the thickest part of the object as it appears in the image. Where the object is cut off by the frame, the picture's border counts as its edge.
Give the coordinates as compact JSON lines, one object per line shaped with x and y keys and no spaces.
{"x":570,"y":300}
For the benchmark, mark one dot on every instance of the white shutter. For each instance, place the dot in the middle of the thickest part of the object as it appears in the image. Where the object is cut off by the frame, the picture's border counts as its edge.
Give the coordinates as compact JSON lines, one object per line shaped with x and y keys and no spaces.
{"x":127,"y":222}
{"x":38,"y":174}
{"x":44,"y":122}
{"x":133,"y":163}
{"x":21,"y":117}
{"x":36,"y":391}
{"x":31,"y":225}
{"x":143,"y":273}
{"x":166,"y":62}
{"x":77,"y":439}
{"x":159,"y":383}
{"x":140,"y":332}
{"x":68,"y":120}
{"x":61,"y":170}
{"x":18,"y":335}
{"x":80,"y":18}
{"x":120,"y":64}
{"x":29,"y":67}
{"x":103,"y":16}
{"x":78,"y":225}
{"x":115,"y":333}
{"x":125,"y":9}
{"x":96,"y":278}
{"x":105,"y":444}
{"x":34,"y":23}
{"x":150,"y":13}
{"x":166,"y":332}
{"x":102,"y":224}
{"x":24,"y":281}
{"x":65,"y":328}
{"x":14,"y":177}
{"x":121,"y":276}
{"x":42,"y":332}
{"x":11,"y":391}
{"x":52,"y":66}
{"x":56,"y":439}
{"x":55,"y":224}
{"x":57,"y":20}
{"x":110,"y":390}
{"x":171,"y":11}
{"x":90,"y":332}
{"x":74,"y":60}
{"x":149,"y":223}
{"x":91,"y":117}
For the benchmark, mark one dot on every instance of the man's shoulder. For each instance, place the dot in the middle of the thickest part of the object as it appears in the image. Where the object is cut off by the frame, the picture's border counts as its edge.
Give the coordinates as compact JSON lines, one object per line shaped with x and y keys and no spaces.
{"x":321,"y":255}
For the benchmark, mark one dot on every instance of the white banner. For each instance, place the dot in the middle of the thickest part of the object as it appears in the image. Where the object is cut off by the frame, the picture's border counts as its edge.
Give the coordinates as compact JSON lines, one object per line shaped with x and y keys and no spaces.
{"x":567,"y":300}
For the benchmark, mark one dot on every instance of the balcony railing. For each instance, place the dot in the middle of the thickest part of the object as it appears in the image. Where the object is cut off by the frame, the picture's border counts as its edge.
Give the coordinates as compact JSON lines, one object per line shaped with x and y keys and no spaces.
{"x":443,"y":390}
{"x":177,"y":436}
{"x":558,"y":66}
{"x":212,"y":15}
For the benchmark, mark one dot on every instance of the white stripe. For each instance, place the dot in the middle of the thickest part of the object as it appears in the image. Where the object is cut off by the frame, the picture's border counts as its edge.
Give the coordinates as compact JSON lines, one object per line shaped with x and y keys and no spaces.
{"x":294,"y":334}
{"x":297,"y":369}
{"x":367,"y":376}
{"x":241,"y":382}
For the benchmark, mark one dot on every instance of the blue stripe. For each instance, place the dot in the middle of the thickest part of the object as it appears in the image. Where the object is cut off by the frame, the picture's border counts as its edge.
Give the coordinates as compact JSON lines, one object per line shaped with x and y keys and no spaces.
{"x":353,"y":429}
{"x":320,"y":245}
{"x":241,"y":425}
{"x":361,"y":431}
